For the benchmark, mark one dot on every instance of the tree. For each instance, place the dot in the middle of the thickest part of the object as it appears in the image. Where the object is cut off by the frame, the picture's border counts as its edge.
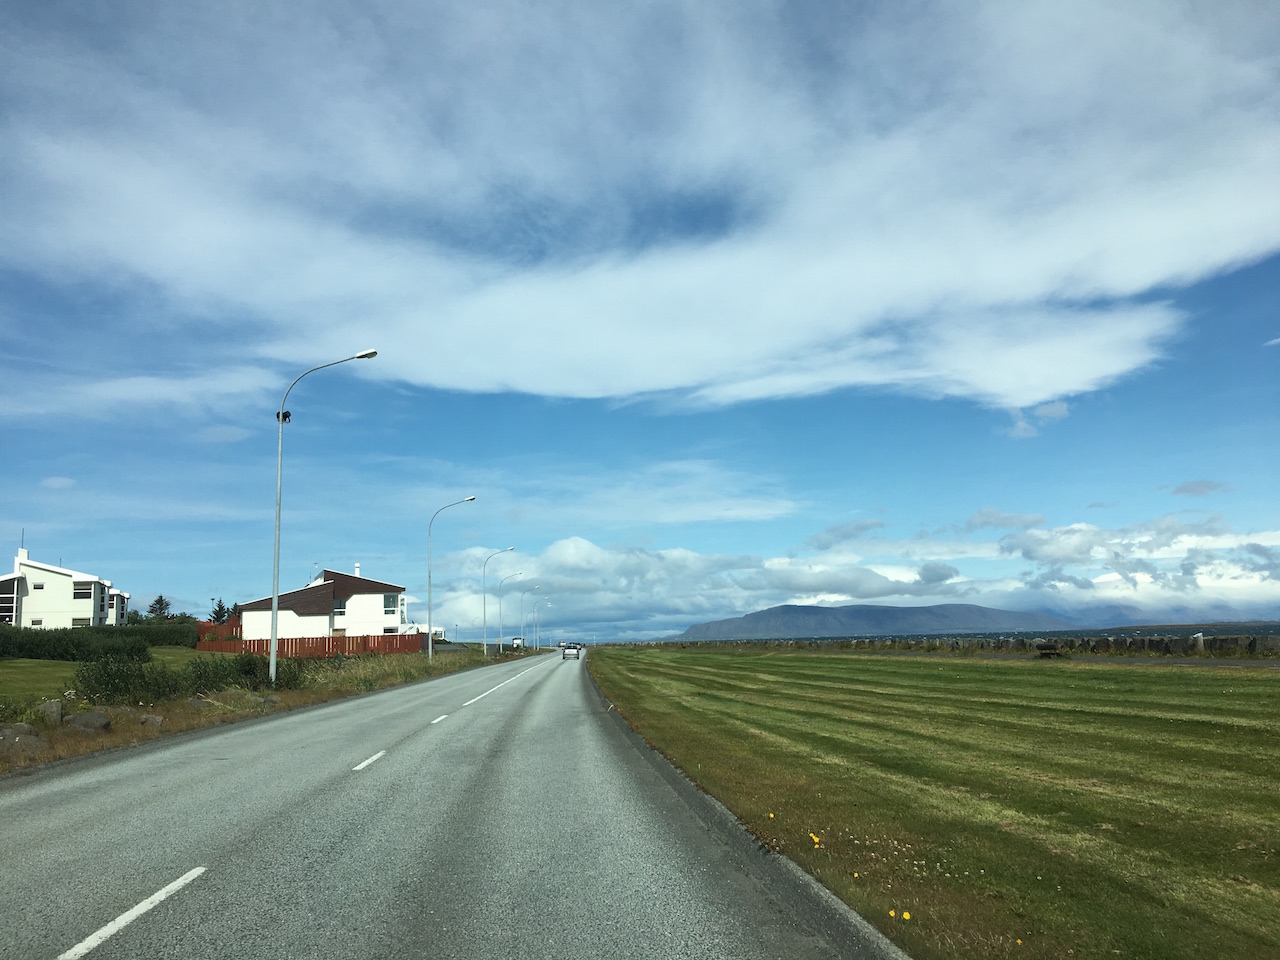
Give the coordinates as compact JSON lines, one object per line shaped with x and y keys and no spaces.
{"x":133,"y":618}
{"x":220,"y":611}
{"x":159,"y":609}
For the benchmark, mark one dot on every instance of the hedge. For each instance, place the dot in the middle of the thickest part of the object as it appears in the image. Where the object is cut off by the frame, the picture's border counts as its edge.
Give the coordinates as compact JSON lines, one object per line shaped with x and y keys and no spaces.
{"x":73,"y":643}
{"x":129,"y":642}
{"x":130,"y":681}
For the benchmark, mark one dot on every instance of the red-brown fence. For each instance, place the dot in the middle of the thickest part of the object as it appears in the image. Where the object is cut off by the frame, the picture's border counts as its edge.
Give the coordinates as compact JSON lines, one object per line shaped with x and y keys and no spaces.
{"x":306,"y":647}
{"x":228,"y":630}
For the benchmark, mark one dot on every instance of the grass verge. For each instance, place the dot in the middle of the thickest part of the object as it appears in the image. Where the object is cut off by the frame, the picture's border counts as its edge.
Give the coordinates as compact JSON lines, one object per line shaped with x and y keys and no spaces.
{"x":323,"y":680}
{"x":991,"y":808}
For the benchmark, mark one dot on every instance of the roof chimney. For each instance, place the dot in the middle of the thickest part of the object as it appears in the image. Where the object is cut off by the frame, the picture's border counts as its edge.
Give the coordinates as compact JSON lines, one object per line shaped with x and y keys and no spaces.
{"x":357,"y":569}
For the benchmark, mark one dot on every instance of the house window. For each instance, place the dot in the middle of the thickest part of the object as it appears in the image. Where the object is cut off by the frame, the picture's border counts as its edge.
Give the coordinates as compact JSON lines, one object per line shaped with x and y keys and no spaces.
{"x":37,"y":623}
{"x":111,"y":602}
{"x":37,"y":586}
{"x":82,"y":591}
{"x":340,"y":608}
{"x":389,"y":604}
{"x":79,"y":621}
{"x":388,"y":629}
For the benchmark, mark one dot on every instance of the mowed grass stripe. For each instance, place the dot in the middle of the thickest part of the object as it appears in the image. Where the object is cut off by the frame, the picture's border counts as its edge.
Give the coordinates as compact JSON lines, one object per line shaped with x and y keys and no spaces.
{"x":1075,"y":807}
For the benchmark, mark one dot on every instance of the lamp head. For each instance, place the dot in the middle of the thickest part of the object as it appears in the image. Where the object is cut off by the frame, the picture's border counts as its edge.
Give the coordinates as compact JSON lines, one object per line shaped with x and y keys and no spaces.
{"x":366,"y":354}
{"x":468,"y":500}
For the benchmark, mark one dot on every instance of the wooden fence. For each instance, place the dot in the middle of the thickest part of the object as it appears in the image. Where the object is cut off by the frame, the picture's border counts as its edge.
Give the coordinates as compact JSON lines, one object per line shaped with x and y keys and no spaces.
{"x":307,"y":647}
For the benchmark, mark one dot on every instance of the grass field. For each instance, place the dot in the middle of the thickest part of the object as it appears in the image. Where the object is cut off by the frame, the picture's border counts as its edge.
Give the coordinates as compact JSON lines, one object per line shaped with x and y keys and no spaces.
{"x":991,"y":808}
{"x":35,"y":679}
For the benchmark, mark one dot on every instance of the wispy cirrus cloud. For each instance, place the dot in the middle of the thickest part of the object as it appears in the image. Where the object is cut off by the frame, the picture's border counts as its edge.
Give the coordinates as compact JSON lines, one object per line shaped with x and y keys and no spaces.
{"x":722,"y":204}
{"x":1198,"y":488}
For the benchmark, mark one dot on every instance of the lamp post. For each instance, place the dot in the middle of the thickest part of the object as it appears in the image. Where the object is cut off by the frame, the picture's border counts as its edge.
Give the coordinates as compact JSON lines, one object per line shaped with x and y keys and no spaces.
{"x":504,"y":580}
{"x":431,"y":639}
{"x":530,"y":590}
{"x":538,"y":622}
{"x":282,"y":417}
{"x":484,"y":595}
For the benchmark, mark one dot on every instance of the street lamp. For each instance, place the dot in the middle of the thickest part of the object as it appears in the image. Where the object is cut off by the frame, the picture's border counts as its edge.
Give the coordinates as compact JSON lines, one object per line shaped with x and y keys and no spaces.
{"x":431,"y":640}
{"x":500,"y":583}
{"x":484,"y":594}
{"x":530,"y":590}
{"x":538,"y":622}
{"x":282,"y":417}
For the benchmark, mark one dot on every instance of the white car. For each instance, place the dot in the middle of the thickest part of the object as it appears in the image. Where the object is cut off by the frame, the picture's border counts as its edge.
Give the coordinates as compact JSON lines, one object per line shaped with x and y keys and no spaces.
{"x":571,"y":650}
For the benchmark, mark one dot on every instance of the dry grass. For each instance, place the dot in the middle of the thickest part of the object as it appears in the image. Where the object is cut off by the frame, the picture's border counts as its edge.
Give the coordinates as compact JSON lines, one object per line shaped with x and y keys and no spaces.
{"x":1011,"y":808}
{"x":325,"y":680}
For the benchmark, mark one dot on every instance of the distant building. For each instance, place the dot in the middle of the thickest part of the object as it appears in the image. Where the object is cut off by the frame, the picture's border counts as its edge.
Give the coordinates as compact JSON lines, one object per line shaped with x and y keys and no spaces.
{"x":44,"y":596}
{"x":333,"y":605}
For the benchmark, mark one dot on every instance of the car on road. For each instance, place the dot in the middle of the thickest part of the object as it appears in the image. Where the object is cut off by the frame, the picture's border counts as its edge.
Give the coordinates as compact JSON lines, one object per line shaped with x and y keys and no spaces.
{"x":571,"y":650}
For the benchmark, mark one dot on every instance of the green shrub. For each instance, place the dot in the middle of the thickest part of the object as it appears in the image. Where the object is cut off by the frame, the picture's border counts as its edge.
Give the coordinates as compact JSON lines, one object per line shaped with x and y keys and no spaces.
{"x":74,"y":643}
{"x":125,"y":681}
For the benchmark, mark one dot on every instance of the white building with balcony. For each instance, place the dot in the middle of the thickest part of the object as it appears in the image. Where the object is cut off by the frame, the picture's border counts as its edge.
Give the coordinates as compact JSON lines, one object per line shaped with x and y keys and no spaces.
{"x":43,"y":596}
{"x":333,"y":605}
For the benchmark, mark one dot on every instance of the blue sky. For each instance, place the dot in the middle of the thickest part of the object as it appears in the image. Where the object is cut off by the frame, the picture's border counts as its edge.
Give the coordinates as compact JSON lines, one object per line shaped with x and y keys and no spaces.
{"x":712,"y":306}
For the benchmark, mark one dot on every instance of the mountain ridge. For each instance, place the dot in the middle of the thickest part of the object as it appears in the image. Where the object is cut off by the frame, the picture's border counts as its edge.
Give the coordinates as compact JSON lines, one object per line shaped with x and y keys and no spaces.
{"x":868,"y":619}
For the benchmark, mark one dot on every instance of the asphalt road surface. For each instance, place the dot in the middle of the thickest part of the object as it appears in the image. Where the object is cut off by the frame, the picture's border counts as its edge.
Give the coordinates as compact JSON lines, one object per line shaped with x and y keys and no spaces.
{"x":500,"y":813}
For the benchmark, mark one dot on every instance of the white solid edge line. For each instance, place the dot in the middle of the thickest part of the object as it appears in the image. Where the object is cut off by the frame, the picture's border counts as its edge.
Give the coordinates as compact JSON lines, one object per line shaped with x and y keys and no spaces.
{"x":122,"y":921}
{"x":502,"y":684}
{"x":377,"y":756}
{"x":439,"y":718}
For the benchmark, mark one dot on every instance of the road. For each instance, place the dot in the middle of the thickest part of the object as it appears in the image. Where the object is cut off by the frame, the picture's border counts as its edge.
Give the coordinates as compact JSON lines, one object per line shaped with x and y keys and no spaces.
{"x":501,"y":813}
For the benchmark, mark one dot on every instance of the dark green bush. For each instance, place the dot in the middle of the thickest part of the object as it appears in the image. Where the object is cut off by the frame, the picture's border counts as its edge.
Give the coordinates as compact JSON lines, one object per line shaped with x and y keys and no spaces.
{"x":74,"y":643}
{"x":125,"y":681}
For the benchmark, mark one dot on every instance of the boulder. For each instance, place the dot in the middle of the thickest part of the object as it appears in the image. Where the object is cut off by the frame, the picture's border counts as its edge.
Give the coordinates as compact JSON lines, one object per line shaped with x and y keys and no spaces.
{"x":151,"y":720}
{"x":51,"y":709}
{"x":91,"y":721}
{"x":20,"y":738}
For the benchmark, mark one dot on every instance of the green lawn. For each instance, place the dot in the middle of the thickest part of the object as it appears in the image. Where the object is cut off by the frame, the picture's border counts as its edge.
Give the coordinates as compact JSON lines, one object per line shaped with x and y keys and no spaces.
{"x":33,"y":679}
{"x":1012,"y":808}
{"x":23,"y":680}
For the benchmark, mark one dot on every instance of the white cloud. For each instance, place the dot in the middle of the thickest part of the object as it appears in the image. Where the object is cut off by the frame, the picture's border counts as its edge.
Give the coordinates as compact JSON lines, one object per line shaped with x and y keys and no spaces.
{"x":668,"y":199}
{"x":630,"y":593}
{"x":57,"y":483}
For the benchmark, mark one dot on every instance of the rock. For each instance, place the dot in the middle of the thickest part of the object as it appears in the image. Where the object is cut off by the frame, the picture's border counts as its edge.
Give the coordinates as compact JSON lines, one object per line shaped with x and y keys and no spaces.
{"x":51,"y":709}
{"x":20,"y":738}
{"x":91,"y":721}
{"x":151,"y":720}
{"x":271,"y":700}
{"x":199,"y":702}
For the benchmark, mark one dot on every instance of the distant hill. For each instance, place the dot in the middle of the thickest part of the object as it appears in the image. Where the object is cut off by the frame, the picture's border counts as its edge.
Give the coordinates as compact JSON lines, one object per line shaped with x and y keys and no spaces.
{"x":872,"y":620}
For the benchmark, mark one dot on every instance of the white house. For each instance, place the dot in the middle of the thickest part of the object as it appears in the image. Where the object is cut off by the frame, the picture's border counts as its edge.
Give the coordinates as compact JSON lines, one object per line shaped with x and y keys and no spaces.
{"x":333,"y":605}
{"x":42,"y":595}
